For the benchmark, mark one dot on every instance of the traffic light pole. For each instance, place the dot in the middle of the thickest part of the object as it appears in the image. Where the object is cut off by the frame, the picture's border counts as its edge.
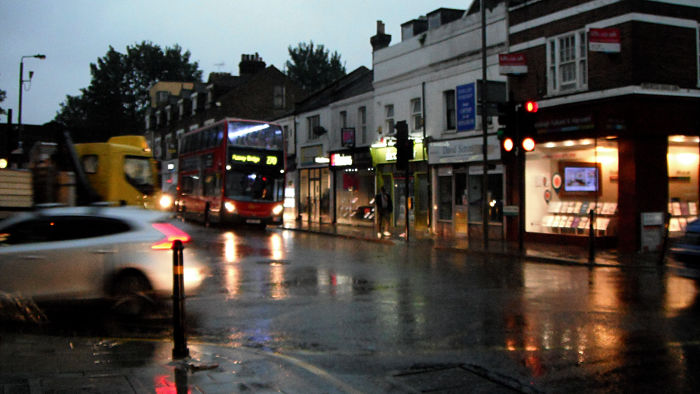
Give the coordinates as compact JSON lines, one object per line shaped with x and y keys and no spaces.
{"x":484,"y":125}
{"x":520,"y":162}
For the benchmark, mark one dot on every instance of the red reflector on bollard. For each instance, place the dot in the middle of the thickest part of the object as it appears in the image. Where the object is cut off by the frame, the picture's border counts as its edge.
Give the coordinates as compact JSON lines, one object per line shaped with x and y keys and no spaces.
{"x":171,"y":233}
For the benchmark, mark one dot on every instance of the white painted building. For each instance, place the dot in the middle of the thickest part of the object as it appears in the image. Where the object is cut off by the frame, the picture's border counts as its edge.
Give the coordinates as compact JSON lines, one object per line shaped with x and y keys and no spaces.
{"x":422,"y":80}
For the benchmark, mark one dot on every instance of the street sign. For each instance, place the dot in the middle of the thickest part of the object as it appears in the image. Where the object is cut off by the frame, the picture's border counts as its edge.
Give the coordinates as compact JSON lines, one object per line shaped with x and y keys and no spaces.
{"x":466,"y":107}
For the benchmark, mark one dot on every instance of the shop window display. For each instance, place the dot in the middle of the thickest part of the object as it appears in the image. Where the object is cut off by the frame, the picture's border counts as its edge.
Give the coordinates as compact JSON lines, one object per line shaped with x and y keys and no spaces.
{"x":565,"y":181}
{"x":683,"y":164}
{"x":354,"y":192}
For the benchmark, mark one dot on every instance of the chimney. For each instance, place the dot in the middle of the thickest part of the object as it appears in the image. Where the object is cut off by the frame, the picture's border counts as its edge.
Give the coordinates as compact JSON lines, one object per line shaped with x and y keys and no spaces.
{"x":380,"y":40}
{"x":250,"y":65}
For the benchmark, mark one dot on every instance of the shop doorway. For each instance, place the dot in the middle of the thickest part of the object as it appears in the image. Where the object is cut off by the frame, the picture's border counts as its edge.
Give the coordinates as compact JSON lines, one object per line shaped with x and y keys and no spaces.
{"x":314,"y":195}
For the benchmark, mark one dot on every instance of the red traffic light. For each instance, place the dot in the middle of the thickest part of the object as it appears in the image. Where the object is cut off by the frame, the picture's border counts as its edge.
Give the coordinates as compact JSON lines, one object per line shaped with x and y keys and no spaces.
{"x":508,"y":144}
{"x":528,"y":144}
{"x":531,"y":106}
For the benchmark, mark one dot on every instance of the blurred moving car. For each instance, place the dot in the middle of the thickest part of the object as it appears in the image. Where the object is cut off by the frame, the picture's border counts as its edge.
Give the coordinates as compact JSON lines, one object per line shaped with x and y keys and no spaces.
{"x":687,"y":249}
{"x":121,"y":254}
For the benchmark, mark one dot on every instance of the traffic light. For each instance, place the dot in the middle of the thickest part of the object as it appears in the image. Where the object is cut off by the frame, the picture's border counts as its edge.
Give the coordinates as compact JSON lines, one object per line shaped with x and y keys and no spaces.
{"x":527,"y":125}
{"x":507,"y":132}
{"x":404,"y":146}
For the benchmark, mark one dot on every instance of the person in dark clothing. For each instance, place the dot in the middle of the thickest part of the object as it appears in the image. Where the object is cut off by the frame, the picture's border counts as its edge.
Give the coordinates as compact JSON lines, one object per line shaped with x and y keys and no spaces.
{"x":383,"y":209}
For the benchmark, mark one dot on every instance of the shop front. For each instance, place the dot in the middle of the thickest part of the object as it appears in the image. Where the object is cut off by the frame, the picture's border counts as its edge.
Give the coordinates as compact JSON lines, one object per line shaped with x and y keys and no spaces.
{"x":353,"y":185}
{"x":617,"y":171}
{"x":395,"y":182}
{"x":314,"y":185}
{"x":458,"y":179}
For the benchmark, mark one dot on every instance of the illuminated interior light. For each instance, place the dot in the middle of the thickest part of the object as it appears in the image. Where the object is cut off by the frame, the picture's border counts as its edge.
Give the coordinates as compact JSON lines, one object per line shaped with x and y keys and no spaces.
{"x":247,"y":130}
{"x":569,"y":143}
{"x":677,"y":138}
{"x":550,"y":145}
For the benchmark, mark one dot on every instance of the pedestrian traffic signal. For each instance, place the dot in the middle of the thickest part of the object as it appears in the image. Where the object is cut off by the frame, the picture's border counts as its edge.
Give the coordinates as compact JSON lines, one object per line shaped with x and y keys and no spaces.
{"x":404,"y":146}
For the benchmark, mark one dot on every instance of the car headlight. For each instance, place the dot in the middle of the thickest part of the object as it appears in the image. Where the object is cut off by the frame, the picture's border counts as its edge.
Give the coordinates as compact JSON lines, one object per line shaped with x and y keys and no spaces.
{"x":165,"y":201}
{"x":277,"y":209}
{"x":230,"y":208}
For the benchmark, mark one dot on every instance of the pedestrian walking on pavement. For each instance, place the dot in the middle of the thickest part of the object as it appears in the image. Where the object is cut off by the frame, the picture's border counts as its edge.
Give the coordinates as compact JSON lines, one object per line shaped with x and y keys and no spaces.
{"x":383,"y":209}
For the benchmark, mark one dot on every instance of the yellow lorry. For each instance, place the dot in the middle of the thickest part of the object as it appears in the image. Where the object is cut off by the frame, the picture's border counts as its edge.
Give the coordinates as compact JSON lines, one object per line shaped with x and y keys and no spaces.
{"x":121,"y":170}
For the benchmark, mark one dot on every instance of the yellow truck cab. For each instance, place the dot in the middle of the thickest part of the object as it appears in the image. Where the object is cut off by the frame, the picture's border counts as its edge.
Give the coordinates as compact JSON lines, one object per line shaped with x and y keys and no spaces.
{"x":121,"y":170}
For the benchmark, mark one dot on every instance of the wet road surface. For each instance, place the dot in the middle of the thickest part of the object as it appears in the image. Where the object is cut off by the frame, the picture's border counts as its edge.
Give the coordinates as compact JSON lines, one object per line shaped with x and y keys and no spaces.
{"x":429,"y":319}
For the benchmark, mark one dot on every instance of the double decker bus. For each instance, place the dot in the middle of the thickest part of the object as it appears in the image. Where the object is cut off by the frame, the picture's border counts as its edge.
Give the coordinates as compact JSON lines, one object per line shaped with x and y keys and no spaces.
{"x":232,"y":172}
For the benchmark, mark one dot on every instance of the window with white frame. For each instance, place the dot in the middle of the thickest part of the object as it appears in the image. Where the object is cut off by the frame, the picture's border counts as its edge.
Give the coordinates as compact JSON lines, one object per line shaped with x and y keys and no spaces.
{"x":362,"y":123}
{"x":343,"y":119}
{"x":416,"y":115}
{"x":567,"y":69}
{"x":194,"y":98}
{"x":180,"y":109}
{"x":168,"y":114}
{"x":314,"y":124}
{"x":389,"y":118}
{"x":178,"y":137}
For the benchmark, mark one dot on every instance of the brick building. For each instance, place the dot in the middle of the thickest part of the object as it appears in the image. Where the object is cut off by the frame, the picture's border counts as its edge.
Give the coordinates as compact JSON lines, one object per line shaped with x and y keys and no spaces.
{"x":617,"y":127}
{"x":257,"y":93}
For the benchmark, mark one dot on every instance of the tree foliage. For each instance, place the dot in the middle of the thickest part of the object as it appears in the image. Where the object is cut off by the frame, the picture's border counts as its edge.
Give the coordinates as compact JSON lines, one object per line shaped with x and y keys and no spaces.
{"x":116,"y":100}
{"x":2,"y":98}
{"x":313,"y":67}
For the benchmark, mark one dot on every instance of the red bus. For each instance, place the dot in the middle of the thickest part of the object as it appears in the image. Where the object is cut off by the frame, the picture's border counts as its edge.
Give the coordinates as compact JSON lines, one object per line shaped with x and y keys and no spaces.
{"x":232,"y":172}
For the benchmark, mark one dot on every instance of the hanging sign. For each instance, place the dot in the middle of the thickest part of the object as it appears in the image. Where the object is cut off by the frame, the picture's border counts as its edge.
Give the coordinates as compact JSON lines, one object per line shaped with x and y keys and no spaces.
{"x":604,"y":40}
{"x":512,"y":63}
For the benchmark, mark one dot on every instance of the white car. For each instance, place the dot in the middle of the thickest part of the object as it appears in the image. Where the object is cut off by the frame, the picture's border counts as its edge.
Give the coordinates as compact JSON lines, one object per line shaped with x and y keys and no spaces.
{"x":121,"y":254}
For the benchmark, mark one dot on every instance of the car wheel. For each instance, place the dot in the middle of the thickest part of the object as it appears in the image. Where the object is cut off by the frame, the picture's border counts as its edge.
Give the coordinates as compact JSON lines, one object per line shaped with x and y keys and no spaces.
{"x":130,"y":292}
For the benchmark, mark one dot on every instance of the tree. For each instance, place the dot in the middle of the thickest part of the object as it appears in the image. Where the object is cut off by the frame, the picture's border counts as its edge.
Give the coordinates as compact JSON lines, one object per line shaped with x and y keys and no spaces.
{"x":116,"y":100}
{"x":313,"y":67}
{"x":2,"y":98}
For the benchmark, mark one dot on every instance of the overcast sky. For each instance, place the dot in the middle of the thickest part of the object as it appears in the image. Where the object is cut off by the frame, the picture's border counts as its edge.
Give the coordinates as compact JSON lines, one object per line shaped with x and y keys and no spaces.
{"x":74,"y":33}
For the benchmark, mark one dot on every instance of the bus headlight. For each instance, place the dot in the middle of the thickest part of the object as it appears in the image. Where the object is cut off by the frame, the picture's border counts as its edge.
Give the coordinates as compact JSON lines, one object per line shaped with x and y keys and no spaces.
{"x":277,"y":209}
{"x":230,"y":208}
{"x":165,"y":201}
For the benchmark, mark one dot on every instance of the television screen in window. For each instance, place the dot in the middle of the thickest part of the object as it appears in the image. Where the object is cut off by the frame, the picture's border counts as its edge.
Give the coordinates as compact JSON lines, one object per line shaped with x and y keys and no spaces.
{"x":580,"y":179}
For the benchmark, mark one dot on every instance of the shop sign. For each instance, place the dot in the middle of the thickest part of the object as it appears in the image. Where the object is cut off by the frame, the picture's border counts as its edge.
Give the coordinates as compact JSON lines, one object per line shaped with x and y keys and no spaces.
{"x":309,"y":154}
{"x":466,"y":107}
{"x":339,"y":159}
{"x":512,"y":63}
{"x":557,"y":181}
{"x":565,"y":124}
{"x":604,"y":40}
{"x":463,"y":150}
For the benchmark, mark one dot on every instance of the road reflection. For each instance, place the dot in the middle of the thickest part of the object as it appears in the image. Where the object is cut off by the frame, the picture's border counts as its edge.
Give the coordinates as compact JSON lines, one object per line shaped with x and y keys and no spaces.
{"x":602,"y":319}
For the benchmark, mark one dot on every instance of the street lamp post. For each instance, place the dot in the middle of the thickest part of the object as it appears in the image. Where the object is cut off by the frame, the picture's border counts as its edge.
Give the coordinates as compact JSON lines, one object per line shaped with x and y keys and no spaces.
{"x":21,"y":82}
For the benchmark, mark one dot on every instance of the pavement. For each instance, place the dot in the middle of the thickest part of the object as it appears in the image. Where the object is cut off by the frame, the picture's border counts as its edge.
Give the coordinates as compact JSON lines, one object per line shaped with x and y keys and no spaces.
{"x":35,"y":363}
